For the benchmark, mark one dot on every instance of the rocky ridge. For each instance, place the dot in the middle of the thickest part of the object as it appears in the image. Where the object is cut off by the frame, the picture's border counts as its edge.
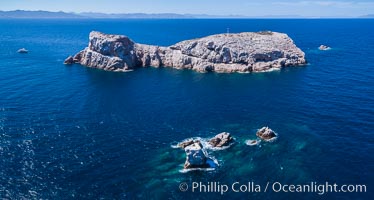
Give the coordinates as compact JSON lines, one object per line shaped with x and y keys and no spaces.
{"x":234,"y":52}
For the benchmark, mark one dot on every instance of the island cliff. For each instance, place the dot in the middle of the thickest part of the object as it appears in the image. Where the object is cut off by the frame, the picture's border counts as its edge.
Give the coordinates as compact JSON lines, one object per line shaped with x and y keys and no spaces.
{"x":239,"y":52}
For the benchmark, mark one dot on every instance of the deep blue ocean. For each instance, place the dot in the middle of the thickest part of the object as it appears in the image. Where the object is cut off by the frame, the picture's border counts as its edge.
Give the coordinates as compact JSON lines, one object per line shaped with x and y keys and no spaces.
{"x":71,"y":132}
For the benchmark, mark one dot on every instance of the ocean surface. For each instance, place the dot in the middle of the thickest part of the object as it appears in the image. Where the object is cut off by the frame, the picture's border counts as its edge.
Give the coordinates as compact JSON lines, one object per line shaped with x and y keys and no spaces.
{"x":71,"y":132}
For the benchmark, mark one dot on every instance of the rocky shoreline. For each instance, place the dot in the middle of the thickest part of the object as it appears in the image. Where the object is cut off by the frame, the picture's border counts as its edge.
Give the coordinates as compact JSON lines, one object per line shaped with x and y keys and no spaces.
{"x":225,"y":53}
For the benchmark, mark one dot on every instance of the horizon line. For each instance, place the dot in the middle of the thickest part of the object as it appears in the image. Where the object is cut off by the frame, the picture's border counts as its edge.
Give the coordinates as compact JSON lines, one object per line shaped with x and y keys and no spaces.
{"x":197,"y":16}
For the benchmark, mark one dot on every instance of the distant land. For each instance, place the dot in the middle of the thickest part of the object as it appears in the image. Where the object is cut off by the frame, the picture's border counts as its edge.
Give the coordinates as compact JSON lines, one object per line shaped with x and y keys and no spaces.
{"x":367,"y":16}
{"x":40,"y":14}
{"x":131,"y":15}
{"x":22,"y":14}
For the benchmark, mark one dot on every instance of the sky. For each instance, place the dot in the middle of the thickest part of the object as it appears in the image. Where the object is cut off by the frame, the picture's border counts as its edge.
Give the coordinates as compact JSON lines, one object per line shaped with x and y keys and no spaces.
{"x":317,"y":8}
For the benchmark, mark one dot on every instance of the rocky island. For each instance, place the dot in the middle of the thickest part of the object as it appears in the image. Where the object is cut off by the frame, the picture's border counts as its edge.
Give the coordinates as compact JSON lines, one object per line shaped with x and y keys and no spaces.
{"x":234,"y":52}
{"x":324,"y":48}
{"x":197,"y":149}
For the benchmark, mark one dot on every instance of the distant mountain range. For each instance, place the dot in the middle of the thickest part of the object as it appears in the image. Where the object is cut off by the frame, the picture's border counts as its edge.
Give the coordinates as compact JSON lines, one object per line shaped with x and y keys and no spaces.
{"x":131,"y":15}
{"x":367,"y":16}
{"x":23,"y":14}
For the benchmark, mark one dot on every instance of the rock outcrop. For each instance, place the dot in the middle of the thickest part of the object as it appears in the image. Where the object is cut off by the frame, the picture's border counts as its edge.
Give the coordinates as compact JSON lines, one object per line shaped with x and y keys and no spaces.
{"x":69,"y":60}
{"x":265,"y":133}
{"x":252,"y":142}
{"x":23,"y":50}
{"x":324,"y":47}
{"x":220,"y":140}
{"x":187,"y":143}
{"x":241,"y":52}
{"x":195,"y":156}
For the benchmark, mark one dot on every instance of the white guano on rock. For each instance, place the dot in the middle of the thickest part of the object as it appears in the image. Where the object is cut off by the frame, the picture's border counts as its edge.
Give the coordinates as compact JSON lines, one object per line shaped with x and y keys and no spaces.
{"x":225,"y":53}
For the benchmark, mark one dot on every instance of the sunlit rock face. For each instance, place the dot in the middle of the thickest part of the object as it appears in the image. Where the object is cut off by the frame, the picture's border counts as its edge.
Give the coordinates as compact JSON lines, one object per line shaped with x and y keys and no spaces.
{"x":226,"y":53}
{"x":195,"y":156}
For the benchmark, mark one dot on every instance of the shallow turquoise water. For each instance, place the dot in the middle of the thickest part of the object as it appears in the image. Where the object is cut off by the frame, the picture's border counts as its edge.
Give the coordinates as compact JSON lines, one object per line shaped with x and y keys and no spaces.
{"x":77,"y":132}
